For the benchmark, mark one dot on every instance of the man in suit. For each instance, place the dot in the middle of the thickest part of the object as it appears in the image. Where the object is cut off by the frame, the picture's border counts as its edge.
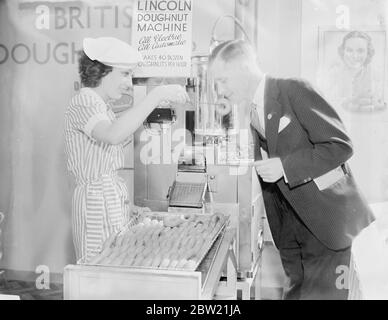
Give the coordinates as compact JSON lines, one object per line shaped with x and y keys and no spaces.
{"x":313,"y":205}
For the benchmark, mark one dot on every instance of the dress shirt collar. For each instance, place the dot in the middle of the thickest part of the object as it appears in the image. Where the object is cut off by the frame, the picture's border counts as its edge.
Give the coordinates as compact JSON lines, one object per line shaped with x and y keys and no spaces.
{"x":258,"y":98}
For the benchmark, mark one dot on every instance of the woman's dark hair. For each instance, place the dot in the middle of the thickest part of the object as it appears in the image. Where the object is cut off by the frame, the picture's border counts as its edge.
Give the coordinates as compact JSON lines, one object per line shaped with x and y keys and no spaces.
{"x":362,"y":35}
{"x":91,"y":71}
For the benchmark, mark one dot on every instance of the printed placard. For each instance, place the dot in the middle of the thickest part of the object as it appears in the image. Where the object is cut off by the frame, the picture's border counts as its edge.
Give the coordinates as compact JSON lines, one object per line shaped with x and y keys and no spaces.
{"x":162,"y":33}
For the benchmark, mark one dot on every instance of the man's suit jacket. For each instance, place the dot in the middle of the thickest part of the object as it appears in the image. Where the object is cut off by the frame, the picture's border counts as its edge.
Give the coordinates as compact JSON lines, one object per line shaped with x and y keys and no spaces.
{"x":313,"y":143}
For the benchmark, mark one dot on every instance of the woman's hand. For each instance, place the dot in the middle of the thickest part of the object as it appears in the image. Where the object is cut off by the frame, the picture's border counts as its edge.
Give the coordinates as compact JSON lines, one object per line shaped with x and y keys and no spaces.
{"x":118,"y":131}
{"x":169,"y":93}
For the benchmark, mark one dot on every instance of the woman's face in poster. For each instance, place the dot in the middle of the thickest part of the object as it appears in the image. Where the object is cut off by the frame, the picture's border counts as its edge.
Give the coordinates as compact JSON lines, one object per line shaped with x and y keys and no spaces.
{"x":355,"y":52}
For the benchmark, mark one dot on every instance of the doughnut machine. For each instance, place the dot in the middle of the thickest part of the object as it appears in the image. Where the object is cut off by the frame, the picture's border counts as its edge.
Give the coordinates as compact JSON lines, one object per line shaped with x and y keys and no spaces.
{"x":196,"y":157}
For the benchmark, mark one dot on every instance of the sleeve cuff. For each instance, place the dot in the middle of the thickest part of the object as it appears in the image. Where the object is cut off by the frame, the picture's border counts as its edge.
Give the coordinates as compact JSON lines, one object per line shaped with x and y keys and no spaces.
{"x":284,"y":173}
{"x":285,"y":177}
{"x":89,"y":126}
{"x":292,"y":185}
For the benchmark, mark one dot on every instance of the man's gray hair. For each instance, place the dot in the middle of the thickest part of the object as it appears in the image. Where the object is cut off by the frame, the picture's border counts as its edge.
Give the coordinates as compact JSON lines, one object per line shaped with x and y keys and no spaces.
{"x":233,"y":49}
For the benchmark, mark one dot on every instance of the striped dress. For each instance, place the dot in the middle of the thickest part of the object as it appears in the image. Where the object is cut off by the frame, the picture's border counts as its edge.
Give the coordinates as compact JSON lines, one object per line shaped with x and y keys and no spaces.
{"x":100,"y":200}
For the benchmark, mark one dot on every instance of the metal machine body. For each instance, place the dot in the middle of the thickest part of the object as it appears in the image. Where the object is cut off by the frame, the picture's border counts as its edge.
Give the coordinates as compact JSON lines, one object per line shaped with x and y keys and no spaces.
{"x":225,"y":179}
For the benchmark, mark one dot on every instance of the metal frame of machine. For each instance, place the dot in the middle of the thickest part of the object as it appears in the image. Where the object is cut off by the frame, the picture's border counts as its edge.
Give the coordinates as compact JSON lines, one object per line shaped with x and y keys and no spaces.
{"x":154,"y":178}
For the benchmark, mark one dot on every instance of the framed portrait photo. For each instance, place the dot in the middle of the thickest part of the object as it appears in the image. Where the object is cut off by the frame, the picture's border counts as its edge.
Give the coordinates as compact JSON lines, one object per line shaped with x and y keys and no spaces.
{"x":352,"y":68}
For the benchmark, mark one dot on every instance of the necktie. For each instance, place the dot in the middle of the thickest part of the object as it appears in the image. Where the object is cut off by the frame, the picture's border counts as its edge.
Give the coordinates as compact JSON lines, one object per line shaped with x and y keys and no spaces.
{"x":255,"y":121}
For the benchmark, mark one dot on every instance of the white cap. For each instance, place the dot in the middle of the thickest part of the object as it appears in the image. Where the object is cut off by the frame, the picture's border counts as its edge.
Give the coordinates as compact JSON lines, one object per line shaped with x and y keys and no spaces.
{"x":111,"y":52}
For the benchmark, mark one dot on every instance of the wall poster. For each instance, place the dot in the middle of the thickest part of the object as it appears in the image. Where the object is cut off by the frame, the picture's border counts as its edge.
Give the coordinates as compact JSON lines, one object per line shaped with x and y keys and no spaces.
{"x":162,"y":33}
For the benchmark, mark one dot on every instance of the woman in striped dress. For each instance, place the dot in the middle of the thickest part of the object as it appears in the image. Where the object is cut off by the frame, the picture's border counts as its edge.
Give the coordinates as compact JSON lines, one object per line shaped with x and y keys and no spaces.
{"x":95,"y":139}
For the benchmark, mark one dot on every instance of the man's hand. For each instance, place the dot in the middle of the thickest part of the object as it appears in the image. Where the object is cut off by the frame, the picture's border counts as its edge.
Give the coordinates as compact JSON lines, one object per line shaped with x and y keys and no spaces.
{"x":270,"y":170}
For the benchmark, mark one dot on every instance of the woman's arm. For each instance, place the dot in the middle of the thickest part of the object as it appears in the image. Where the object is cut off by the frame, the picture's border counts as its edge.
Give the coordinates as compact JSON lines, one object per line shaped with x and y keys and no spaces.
{"x":118,"y":131}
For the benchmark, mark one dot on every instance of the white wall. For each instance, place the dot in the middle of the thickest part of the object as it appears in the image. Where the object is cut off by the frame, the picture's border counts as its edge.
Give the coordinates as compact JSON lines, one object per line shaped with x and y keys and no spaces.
{"x":279,"y":37}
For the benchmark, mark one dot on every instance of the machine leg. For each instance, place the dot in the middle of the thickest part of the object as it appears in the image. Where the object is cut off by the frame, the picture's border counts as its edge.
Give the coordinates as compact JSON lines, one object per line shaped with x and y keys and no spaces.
{"x":245,"y":286}
{"x":258,"y":287}
{"x":228,"y":289}
{"x":257,"y":282}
